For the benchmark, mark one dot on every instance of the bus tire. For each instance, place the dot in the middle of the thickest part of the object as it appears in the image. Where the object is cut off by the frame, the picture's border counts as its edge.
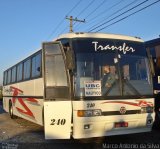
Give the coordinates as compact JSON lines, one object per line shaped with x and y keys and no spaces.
{"x":12,"y":116}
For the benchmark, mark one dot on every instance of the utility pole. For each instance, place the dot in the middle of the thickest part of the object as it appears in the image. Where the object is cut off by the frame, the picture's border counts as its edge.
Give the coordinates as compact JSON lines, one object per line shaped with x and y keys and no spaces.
{"x":71,"y":19}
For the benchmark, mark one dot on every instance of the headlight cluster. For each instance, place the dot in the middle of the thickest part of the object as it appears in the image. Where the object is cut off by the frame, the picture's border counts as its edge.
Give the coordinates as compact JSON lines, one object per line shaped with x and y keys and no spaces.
{"x":148,"y":109}
{"x":89,"y":113}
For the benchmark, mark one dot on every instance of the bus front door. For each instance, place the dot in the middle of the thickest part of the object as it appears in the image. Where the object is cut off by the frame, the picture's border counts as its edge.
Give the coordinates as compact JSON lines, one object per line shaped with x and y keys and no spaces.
{"x":57,"y":103}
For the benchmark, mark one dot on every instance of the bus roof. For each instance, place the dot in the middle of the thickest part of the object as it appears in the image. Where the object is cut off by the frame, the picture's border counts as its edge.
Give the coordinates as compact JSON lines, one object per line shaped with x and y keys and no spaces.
{"x":88,"y":35}
{"x":99,"y":35}
{"x":152,"y":43}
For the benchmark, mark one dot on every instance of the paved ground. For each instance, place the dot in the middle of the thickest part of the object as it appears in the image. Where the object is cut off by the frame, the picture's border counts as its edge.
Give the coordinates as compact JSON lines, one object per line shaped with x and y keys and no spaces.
{"x":20,"y":133}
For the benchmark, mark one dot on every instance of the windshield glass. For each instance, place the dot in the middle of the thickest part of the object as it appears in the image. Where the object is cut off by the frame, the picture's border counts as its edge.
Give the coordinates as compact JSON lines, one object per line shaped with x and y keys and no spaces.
{"x":108,"y":68}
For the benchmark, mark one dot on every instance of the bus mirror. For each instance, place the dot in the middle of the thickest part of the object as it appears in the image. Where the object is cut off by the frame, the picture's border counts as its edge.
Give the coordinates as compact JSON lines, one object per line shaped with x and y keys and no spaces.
{"x":152,"y":67}
{"x":151,"y":63}
{"x":70,"y":60}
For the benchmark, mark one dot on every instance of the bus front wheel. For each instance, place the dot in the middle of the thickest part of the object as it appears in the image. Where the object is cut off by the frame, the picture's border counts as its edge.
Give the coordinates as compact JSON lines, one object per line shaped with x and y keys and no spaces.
{"x":12,"y":116}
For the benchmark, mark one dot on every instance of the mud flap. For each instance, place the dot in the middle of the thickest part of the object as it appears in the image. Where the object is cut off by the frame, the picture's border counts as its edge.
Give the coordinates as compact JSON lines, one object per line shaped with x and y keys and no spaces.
{"x":57,"y":119}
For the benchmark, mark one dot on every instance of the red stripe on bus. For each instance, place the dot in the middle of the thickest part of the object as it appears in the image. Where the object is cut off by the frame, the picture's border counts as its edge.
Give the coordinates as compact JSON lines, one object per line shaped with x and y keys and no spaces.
{"x":27,"y":111}
{"x":32,"y":100}
{"x":141,"y":103}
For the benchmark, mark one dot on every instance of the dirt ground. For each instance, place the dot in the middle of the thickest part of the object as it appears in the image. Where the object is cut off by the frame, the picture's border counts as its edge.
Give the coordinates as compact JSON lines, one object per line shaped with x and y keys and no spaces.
{"x":20,"y":133}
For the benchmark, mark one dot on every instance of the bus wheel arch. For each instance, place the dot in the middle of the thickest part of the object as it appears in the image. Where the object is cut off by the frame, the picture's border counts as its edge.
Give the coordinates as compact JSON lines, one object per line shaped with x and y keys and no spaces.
{"x":12,"y":116}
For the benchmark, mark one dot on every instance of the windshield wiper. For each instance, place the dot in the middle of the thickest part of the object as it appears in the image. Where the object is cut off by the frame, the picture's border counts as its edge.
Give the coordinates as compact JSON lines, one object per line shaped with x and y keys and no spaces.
{"x":110,"y":88}
{"x":125,"y":81}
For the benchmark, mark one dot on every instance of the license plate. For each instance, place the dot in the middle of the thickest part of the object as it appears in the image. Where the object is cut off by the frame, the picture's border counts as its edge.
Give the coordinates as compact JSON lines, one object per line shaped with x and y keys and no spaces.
{"x":120,"y":124}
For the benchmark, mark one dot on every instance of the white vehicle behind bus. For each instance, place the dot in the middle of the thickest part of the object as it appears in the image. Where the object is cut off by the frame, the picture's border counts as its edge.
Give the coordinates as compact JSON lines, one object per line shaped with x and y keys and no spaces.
{"x":61,"y":87}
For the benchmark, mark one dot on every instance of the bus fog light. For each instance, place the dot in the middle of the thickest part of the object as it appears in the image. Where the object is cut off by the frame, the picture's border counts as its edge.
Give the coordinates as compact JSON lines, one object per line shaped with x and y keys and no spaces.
{"x":149,"y":109}
{"x":149,"y":121}
{"x":87,"y":126}
{"x":143,"y":110}
{"x":97,"y":112}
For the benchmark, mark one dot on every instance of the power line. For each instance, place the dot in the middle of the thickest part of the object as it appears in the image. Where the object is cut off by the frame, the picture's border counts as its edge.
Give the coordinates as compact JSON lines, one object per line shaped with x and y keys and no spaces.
{"x":106,"y":10}
{"x":74,"y":7}
{"x":82,"y":11}
{"x":104,"y":1}
{"x":119,"y":15}
{"x":86,"y":8}
{"x":119,"y":10}
{"x":98,"y":15}
{"x":129,"y":15}
{"x":60,"y":23}
{"x":71,"y":19}
{"x":79,"y":14}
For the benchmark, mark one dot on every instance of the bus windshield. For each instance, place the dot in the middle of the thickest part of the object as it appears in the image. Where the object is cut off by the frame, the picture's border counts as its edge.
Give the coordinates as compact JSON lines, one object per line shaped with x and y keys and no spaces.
{"x":106,"y":68}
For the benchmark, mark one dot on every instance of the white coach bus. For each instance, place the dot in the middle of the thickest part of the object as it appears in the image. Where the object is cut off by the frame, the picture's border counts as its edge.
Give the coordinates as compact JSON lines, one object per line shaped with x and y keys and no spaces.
{"x":83,"y":85}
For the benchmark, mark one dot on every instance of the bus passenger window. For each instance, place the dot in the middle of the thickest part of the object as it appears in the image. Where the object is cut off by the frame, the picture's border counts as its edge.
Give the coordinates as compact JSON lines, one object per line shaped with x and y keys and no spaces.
{"x":27,"y":67}
{"x":9,"y":77}
{"x":5,"y":78}
{"x":13,"y":75}
{"x":36,"y":66}
{"x":19,"y":72}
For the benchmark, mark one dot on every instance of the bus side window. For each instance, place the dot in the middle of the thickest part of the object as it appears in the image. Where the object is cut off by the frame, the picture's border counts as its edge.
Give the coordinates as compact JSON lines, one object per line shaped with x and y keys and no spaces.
{"x":13,"y":74}
{"x":19,"y":72}
{"x":26,"y":71}
{"x":5,"y":78}
{"x":9,"y":77}
{"x":36,"y":65}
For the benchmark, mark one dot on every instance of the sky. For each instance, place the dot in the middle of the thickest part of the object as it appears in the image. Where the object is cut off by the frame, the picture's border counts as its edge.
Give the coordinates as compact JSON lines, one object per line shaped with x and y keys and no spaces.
{"x":25,"y":24}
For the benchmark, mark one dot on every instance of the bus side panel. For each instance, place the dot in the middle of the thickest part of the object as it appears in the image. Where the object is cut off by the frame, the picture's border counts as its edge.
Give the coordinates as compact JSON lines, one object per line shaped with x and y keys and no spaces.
{"x":117,"y":117}
{"x":27,"y":99}
{"x":57,"y":119}
{"x":6,"y":104}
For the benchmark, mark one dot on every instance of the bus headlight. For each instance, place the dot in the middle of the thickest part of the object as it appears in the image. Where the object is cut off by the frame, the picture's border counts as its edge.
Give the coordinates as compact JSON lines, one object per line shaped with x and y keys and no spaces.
{"x":89,"y":113}
{"x":148,"y":109}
